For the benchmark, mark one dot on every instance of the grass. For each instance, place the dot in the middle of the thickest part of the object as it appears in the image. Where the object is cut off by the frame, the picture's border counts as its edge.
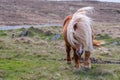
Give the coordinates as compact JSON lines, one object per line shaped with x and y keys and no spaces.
{"x":43,"y":58}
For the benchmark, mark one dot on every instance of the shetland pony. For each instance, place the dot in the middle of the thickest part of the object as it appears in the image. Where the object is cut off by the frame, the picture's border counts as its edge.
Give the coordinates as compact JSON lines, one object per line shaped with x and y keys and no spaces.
{"x":78,"y":35}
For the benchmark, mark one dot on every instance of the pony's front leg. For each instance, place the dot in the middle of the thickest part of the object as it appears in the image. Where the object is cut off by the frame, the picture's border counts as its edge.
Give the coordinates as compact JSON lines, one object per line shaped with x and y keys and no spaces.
{"x":68,"y":49}
{"x":77,"y":59}
{"x":87,"y":63}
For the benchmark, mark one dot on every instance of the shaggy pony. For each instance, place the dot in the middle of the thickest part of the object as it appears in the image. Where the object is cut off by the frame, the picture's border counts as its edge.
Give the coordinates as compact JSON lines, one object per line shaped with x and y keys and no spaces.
{"x":78,"y":35}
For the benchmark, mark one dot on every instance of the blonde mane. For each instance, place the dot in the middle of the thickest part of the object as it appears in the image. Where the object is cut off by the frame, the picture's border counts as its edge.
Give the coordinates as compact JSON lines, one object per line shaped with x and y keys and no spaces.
{"x":79,"y":29}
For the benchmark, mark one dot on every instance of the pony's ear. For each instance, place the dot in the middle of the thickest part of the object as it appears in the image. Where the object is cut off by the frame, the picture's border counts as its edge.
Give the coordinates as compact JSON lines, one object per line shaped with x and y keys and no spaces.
{"x":66,"y":19}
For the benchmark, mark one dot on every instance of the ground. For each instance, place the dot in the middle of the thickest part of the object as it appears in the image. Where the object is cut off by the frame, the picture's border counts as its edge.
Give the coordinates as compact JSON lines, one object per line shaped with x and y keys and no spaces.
{"x":38,"y":57}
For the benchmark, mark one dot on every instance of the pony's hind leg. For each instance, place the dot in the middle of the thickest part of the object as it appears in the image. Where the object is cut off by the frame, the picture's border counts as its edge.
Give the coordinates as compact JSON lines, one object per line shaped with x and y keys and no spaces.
{"x":68,"y":49}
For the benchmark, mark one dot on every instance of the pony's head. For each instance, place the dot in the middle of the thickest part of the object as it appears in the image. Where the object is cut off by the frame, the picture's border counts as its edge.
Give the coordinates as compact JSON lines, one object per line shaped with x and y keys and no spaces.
{"x":79,"y":50}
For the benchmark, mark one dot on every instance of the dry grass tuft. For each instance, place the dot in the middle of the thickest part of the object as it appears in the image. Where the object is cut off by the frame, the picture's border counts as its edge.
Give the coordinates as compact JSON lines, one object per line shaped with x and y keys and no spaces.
{"x":24,"y":40}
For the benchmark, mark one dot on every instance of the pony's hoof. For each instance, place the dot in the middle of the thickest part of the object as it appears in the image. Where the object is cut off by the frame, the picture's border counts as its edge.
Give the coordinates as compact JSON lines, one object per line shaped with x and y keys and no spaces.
{"x":85,"y":68}
{"x":68,"y":62}
{"x":77,"y":69}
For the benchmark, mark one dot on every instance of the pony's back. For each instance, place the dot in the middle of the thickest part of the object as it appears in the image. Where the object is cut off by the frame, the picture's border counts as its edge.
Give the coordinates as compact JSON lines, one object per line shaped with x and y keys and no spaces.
{"x":79,"y":29}
{"x":65,"y":25}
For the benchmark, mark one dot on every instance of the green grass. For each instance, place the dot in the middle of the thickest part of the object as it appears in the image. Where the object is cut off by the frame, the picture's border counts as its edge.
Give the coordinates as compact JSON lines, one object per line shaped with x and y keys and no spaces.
{"x":108,"y":39}
{"x":3,"y":33}
{"x":43,"y":59}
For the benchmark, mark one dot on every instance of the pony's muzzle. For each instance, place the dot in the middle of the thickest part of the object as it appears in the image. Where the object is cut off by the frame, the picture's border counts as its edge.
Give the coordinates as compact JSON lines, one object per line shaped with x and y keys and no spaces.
{"x":79,"y":52}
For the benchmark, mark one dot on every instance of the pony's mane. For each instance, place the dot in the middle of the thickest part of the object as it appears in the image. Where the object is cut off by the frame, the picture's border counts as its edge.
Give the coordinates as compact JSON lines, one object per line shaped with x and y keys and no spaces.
{"x":79,"y":29}
{"x":67,"y":18}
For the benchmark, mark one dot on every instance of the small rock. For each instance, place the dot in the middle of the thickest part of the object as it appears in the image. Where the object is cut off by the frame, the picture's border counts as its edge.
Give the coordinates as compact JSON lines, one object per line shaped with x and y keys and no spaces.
{"x":115,"y":43}
{"x":56,"y":37}
{"x":24,"y":33}
{"x":102,"y":30}
{"x":58,"y":74}
{"x":48,"y":33}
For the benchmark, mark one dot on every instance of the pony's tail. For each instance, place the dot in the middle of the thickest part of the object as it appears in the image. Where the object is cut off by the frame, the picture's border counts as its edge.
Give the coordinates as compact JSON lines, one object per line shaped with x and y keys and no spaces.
{"x":86,"y":10}
{"x":79,"y":30}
